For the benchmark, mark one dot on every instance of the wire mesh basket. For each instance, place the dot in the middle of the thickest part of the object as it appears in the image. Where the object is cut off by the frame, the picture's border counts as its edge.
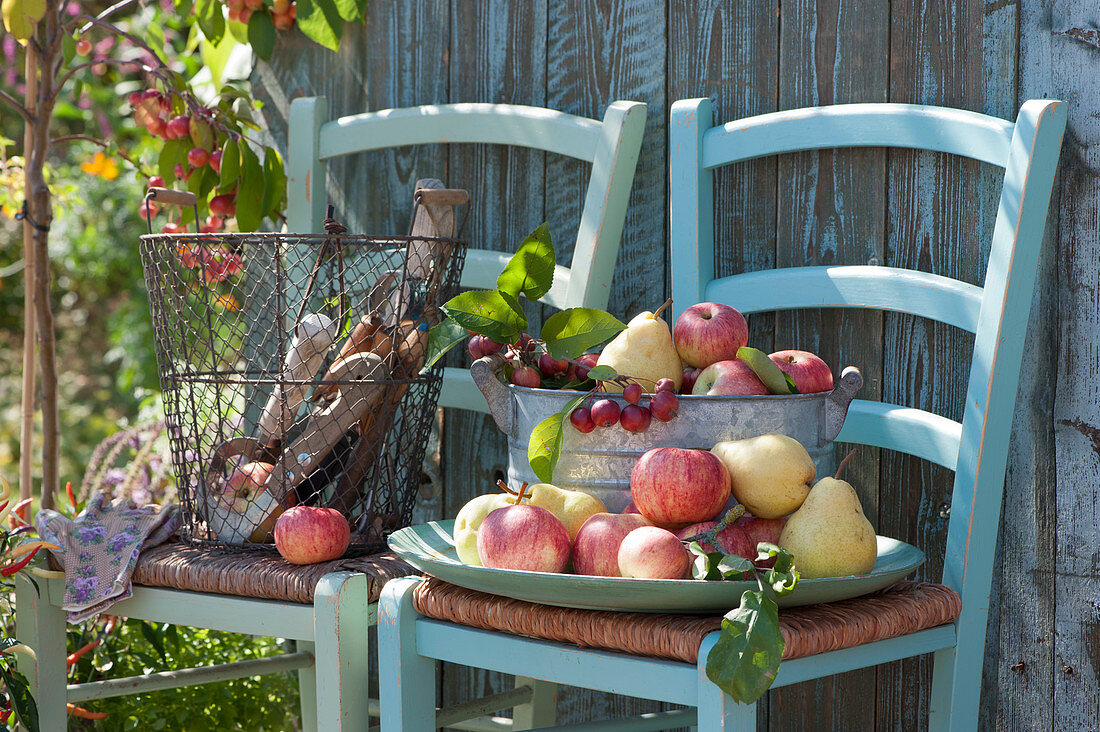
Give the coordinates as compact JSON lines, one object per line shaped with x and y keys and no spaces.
{"x":290,"y":366}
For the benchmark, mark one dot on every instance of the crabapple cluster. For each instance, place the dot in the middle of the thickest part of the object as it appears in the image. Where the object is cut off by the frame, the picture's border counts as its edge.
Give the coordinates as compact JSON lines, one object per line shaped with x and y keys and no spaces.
{"x":283,"y":12}
{"x":663,"y":406}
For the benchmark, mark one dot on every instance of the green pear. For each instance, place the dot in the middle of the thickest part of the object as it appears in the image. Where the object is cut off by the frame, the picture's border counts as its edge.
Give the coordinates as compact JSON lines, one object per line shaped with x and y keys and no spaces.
{"x":469,"y":519}
{"x":645,"y":351}
{"x":572,"y":508}
{"x":829,"y":536}
{"x":770,"y":474}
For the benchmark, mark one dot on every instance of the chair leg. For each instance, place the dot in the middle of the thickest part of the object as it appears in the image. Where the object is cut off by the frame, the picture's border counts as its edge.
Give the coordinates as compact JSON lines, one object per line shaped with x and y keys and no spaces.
{"x":716,"y":709}
{"x":406,"y":679}
{"x":341,"y":652}
{"x":542,"y":710}
{"x":943,"y":691}
{"x":41,"y":625}
{"x":307,"y":688}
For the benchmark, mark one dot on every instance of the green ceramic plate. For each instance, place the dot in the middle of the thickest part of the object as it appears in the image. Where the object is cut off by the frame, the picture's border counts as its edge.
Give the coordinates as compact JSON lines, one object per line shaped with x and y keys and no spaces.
{"x":430,"y":548}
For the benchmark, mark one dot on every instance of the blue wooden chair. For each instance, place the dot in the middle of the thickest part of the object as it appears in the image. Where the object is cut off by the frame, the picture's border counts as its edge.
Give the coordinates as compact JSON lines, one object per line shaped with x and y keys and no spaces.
{"x":328,"y":616}
{"x":976,"y":449}
{"x":611,"y":146}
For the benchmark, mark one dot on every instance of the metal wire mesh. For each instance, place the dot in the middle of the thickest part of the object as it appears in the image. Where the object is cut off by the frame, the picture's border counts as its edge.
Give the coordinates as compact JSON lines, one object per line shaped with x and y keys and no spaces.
{"x":290,"y":366}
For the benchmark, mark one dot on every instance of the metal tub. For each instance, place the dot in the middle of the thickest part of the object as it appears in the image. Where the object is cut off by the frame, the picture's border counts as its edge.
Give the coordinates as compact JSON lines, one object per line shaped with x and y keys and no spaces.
{"x":601,"y":461}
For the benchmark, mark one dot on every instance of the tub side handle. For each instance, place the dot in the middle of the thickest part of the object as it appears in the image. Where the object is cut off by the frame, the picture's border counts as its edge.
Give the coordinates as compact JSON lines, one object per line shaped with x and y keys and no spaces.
{"x":483,"y":371}
{"x":836,"y":404}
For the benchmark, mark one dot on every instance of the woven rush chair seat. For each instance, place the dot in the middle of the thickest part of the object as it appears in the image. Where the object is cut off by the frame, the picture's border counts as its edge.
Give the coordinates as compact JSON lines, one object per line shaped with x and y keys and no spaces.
{"x":261,"y":576}
{"x":900,"y":609}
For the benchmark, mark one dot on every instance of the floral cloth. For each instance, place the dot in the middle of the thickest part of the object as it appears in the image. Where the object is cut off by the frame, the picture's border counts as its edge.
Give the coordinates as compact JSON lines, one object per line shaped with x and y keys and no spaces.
{"x":100,"y":548}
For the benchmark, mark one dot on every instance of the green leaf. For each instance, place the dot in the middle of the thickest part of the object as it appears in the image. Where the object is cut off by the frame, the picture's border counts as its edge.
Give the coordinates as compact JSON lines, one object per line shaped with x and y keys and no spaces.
{"x":22,"y":701}
{"x":154,"y":37}
{"x":211,"y":22}
{"x":261,"y":34}
{"x":442,"y":338}
{"x":321,"y":22}
{"x":216,"y":55}
{"x":733,"y":567}
{"x":569,"y":333}
{"x":231,"y":165}
{"x":489,"y":313}
{"x":250,"y":191}
{"x":544,"y":447}
{"x":783,"y":576}
{"x":530,"y":271}
{"x":172,"y":154}
{"x":766,"y":370}
{"x":68,"y":51}
{"x":744,"y":661}
{"x":152,"y":635}
{"x":350,"y":10}
{"x":22,"y":16}
{"x":602,"y":372}
{"x":705,"y":564}
{"x":238,"y":30}
{"x":274,"y":181}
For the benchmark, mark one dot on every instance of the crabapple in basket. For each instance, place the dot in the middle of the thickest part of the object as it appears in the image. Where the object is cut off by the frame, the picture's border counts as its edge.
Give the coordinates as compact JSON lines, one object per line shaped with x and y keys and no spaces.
{"x":808,"y":372}
{"x":310,"y":534}
{"x":709,"y":332}
{"x":523,"y":537}
{"x":673,"y":486}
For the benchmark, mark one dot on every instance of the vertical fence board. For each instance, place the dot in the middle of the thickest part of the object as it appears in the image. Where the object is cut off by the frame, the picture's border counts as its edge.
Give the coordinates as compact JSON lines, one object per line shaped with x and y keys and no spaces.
{"x":598,"y":52}
{"x":498,"y":54}
{"x":830,"y":210}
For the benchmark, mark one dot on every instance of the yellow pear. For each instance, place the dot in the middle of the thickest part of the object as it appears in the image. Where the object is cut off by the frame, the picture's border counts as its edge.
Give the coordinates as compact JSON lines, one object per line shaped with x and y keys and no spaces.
{"x":572,"y":508}
{"x":469,"y":519}
{"x":770,"y":474}
{"x":829,"y":536}
{"x":645,"y":351}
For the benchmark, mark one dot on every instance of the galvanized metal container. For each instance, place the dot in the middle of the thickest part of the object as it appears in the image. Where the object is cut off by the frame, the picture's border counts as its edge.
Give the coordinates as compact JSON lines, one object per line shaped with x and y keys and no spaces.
{"x":600,"y":462}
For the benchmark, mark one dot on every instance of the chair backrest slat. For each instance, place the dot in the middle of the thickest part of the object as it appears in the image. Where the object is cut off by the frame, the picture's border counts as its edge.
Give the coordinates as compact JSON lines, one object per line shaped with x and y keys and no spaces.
{"x":955,"y":131}
{"x":611,"y":145}
{"x":857,"y":286}
{"x":913,"y":431}
{"x":497,"y":124}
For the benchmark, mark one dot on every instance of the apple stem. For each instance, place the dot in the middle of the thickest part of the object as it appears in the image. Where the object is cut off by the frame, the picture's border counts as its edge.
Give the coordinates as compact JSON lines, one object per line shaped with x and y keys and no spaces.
{"x":844,"y":463}
{"x":662,"y":308}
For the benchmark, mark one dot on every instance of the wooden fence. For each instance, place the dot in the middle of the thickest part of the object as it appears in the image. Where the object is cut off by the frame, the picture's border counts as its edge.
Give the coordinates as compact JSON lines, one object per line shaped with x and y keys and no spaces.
{"x":869,"y":206}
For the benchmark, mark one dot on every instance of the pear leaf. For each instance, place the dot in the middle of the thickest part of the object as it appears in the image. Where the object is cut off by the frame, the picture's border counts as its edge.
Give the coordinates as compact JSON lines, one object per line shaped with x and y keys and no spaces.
{"x":530,"y":271}
{"x":745,"y":660}
{"x":544,"y":447}
{"x":488,"y":312}
{"x":602,"y":373}
{"x":569,"y":333}
{"x":704,"y":564}
{"x":734,"y":567}
{"x":784,"y":576}
{"x":765,"y":369}
{"x":441,"y":338}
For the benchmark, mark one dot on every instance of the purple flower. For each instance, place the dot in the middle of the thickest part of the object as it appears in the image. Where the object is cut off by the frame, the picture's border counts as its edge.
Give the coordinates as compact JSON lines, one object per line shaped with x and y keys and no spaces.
{"x":83,"y":589}
{"x":114,"y":476}
{"x":120,"y":540}
{"x":91,"y":533}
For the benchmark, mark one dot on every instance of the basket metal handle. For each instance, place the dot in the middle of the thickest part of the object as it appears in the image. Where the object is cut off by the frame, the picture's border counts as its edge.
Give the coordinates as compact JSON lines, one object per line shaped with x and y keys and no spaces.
{"x":171,"y":197}
{"x":836,"y":404}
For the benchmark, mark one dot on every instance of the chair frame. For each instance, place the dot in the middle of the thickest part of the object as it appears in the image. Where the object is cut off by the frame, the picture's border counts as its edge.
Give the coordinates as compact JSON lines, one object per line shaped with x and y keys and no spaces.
{"x":976,"y":449}
{"x":332,"y":653}
{"x":611,"y":146}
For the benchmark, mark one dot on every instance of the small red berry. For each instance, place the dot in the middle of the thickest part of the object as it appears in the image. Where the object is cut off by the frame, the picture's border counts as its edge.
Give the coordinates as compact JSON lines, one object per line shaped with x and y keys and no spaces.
{"x":664,"y":405}
{"x":83,"y":47}
{"x":156,"y":182}
{"x":179,"y":127}
{"x":632,"y":393}
{"x":526,"y":376}
{"x":216,"y":161}
{"x":665,"y":385}
{"x":605,"y":413}
{"x":198,"y":157}
{"x":549,"y":366}
{"x":222,"y":205}
{"x":134,"y":98}
{"x":473,"y":347}
{"x":581,"y":419}
{"x":635,"y":419}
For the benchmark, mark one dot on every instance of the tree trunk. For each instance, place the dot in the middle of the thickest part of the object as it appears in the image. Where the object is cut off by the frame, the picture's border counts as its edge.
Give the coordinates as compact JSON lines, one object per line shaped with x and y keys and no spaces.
{"x":26,"y":439}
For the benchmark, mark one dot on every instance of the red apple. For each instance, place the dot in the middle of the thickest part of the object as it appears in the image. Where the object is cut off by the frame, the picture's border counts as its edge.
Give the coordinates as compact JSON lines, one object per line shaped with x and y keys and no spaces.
{"x":690,"y":377}
{"x":808,"y":372}
{"x":708,"y":333}
{"x":311,"y":534}
{"x":761,"y":529}
{"x":596,"y":548}
{"x":673,"y":486}
{"x":729,"y":378}
{"x":240,"y":490}
{"x":731,"y":540}
{"x":651,"y":552}
{"x":523,"y":537}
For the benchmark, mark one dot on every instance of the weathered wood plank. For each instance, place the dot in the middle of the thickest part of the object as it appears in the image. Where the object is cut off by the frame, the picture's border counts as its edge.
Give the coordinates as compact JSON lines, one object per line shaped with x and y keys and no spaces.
{"x":831,"y":210}
{"x":597,"y":53}
{"x":498,"y":54}
{"x":1055,"y":62}
{"x":940,"y":217}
